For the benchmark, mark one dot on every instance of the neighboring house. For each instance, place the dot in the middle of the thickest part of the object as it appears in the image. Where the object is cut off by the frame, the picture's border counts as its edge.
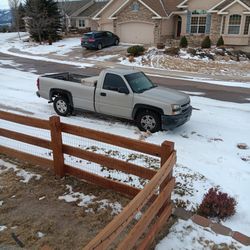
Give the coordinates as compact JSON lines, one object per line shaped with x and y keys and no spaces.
{"x":154,"y":21}
{"x":79,"y":14}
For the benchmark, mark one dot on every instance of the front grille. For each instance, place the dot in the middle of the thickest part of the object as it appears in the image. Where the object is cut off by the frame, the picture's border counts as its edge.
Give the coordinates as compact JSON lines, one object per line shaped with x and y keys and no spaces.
{"x":185,"y":107}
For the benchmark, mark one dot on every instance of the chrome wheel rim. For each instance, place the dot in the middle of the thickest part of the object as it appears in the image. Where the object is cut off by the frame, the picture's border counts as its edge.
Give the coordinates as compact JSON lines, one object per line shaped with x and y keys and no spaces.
{"x":61,"y":106}
{"x":148,"y":122}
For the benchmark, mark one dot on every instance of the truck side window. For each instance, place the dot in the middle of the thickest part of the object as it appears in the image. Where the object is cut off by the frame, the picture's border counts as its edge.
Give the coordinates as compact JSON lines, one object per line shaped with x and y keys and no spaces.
{"x":113,"y":82}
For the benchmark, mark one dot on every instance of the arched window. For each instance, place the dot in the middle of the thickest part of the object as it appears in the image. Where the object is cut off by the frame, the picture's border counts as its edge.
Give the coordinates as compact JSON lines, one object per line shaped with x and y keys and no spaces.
{"x":135,"y":7}
{"x":247,"y":25}
{"x":234,"y":24}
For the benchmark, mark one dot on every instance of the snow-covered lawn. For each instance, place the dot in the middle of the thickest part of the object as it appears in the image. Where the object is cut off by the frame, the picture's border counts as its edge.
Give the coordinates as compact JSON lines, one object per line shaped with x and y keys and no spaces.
{"x":188,"y":236}
{"x":184,"y":61}
{"x":207,"y":152}
{"x":10,"y":44}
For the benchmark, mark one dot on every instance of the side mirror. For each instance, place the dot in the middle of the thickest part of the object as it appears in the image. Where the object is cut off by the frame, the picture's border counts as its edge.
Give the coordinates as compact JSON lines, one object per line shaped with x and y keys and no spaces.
{"x":123,"y":90}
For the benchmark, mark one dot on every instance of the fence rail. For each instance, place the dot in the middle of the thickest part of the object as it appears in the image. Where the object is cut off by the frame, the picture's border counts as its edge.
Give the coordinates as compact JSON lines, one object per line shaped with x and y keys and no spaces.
{"x":154,"y":199}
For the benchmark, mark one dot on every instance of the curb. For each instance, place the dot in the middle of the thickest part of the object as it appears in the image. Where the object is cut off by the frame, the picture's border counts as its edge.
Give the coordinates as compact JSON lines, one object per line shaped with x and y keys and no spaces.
{"x":215,"y":227}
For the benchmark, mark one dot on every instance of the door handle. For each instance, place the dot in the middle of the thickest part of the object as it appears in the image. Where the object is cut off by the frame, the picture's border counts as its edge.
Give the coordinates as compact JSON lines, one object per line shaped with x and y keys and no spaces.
{"x":103,"y":94}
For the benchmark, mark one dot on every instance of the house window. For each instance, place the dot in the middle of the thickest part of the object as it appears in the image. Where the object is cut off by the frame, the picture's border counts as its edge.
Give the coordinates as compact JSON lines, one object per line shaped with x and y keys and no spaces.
{"x":223,"y":25}
{"x":247,"y":25}
{"x":198,"y":24}
{"x":199,"y":12}
{"x":81,"y":23}
{"x":234,"y":24}
{"x":135,"y":7}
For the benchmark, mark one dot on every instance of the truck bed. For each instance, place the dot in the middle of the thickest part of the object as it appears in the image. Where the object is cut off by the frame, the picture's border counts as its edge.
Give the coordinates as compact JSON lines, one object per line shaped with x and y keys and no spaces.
{"x":71,"y":77}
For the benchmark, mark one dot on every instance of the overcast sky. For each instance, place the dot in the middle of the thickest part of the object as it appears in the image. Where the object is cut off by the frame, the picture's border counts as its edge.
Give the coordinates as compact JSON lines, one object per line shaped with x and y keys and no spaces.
{"x":4,"y":4}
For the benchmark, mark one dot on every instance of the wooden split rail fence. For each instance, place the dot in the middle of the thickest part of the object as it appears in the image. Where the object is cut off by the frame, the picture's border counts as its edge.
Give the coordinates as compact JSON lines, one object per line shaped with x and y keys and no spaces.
{"x":154,"y":198}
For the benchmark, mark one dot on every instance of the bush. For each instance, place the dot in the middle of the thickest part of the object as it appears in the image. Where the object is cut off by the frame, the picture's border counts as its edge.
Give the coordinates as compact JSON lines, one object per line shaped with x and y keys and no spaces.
{"x":173,"y":51}
{"x":206,"y":43}
{"x":217,"y":204}
{"x":136,"y":50}
{"x":248,"y":55}
{"x":160,"y":46}
{"x":220,"y":42}
{"x":191,"y":51}
{"x":183,"y":42}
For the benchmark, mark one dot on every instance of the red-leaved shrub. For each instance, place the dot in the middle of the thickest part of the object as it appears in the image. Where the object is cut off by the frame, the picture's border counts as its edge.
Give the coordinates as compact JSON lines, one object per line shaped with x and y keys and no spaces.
{"x":217,"y":204}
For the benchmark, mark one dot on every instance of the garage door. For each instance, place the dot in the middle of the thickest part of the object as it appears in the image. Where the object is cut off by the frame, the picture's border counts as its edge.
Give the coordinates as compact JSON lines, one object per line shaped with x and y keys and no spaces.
{"x":107,"y":27}
{"x":136,"y":32}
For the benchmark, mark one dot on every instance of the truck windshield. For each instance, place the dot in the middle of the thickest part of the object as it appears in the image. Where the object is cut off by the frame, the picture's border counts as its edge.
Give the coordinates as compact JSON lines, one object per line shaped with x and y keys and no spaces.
{"x":139,"y":82}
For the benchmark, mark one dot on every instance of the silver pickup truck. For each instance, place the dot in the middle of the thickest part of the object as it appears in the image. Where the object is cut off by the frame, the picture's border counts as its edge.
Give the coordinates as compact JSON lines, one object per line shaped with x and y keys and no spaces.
{"x":117,"y":92}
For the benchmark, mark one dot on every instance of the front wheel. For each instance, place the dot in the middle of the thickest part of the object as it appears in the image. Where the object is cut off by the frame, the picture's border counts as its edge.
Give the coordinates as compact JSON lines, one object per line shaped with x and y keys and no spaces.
{"x":148,"y":120}
{"x":99,"y":46}
{"x":62,"y":106}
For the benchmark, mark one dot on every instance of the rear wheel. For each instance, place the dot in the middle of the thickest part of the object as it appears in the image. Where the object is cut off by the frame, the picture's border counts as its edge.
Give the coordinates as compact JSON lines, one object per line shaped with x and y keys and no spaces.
{"x":116,"y":42}
{"x":99,"y":46}
{"x":148,"y":120}
{"x":62,"y":106}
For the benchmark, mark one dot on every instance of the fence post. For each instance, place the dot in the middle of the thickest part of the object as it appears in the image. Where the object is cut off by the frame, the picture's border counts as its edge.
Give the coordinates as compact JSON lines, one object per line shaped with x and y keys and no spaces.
{"x":167,"y":147}
{"x":56,"y":142}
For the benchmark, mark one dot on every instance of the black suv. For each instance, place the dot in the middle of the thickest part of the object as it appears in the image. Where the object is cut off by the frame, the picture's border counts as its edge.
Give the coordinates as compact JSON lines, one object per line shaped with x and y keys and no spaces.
{"x":99,"y":39}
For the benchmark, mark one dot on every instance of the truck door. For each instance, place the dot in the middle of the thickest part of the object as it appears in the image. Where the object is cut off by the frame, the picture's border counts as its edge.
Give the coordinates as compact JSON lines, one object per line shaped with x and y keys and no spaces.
{"x":114,"y":97}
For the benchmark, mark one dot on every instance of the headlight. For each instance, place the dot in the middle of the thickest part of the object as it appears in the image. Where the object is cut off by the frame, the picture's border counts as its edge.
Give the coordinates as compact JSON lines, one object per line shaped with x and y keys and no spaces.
{"x":176,"y":109}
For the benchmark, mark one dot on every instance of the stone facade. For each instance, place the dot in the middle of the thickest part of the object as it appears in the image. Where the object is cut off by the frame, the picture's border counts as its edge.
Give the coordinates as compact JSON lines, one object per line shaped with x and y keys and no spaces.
{"x":143,"y":15}
{"x":195,"y":40}
{"x":165,"y":28}
{"x":215,"y":29}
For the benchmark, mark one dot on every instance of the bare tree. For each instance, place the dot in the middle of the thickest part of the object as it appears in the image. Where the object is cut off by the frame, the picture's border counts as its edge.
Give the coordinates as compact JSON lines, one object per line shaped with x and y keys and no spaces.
{"x":14,"y":6}
{"x":64,"y":6}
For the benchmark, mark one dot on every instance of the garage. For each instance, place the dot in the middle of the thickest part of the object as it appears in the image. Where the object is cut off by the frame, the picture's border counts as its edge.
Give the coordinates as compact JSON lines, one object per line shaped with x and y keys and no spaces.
{"x":107,"y":27}
{"x":136,"y":32}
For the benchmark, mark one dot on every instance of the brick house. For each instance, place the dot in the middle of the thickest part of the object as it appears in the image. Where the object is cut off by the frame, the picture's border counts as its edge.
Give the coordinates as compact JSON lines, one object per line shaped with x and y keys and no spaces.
{"x":79,"y":14}
{"x":154,"y":21}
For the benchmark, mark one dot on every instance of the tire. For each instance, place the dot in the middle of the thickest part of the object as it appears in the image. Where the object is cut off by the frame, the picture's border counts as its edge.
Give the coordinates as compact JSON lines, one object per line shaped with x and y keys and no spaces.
{"x":99,"y":46}
{"x":148,"y":120}
{"x":62,"y":106}
{"x":116,"y":42}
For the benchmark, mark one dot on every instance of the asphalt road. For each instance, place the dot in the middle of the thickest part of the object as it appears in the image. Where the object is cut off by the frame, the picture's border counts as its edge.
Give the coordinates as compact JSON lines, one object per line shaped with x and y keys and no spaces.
{"x":217,"y":92}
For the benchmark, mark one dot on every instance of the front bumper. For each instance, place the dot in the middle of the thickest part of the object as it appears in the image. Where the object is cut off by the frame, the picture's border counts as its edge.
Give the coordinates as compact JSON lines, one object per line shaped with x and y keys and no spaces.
{"x":173,"y":121}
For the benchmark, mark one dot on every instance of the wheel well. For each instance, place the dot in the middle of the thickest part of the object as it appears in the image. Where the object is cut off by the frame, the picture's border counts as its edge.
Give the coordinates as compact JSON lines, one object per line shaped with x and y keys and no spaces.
{"x":139,"y":108}
{"x":63,"y":93}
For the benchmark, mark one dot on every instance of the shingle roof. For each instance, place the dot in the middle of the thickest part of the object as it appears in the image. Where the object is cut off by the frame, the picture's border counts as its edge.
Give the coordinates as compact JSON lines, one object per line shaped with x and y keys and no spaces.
{"x":226,"y":3}
{"x":163,"y":7}
{"x":171,"y":5}
{"x":93,"y":9}
{"x":72,"y":6}
{"x":246,"y":2}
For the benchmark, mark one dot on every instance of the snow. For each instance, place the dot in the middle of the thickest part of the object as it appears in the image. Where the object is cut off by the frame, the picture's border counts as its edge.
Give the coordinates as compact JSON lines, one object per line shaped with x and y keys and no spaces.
{"x":40,"y":234}
{"x":207,"y":152}
{"x":102,"y":58}
{"x":184,"y":235}
{"x":9,"y":41}
{"x":2,"y":228}
{"x":86,"y":200}
{"x":25,"y":175}
{"x":206,"y":145}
